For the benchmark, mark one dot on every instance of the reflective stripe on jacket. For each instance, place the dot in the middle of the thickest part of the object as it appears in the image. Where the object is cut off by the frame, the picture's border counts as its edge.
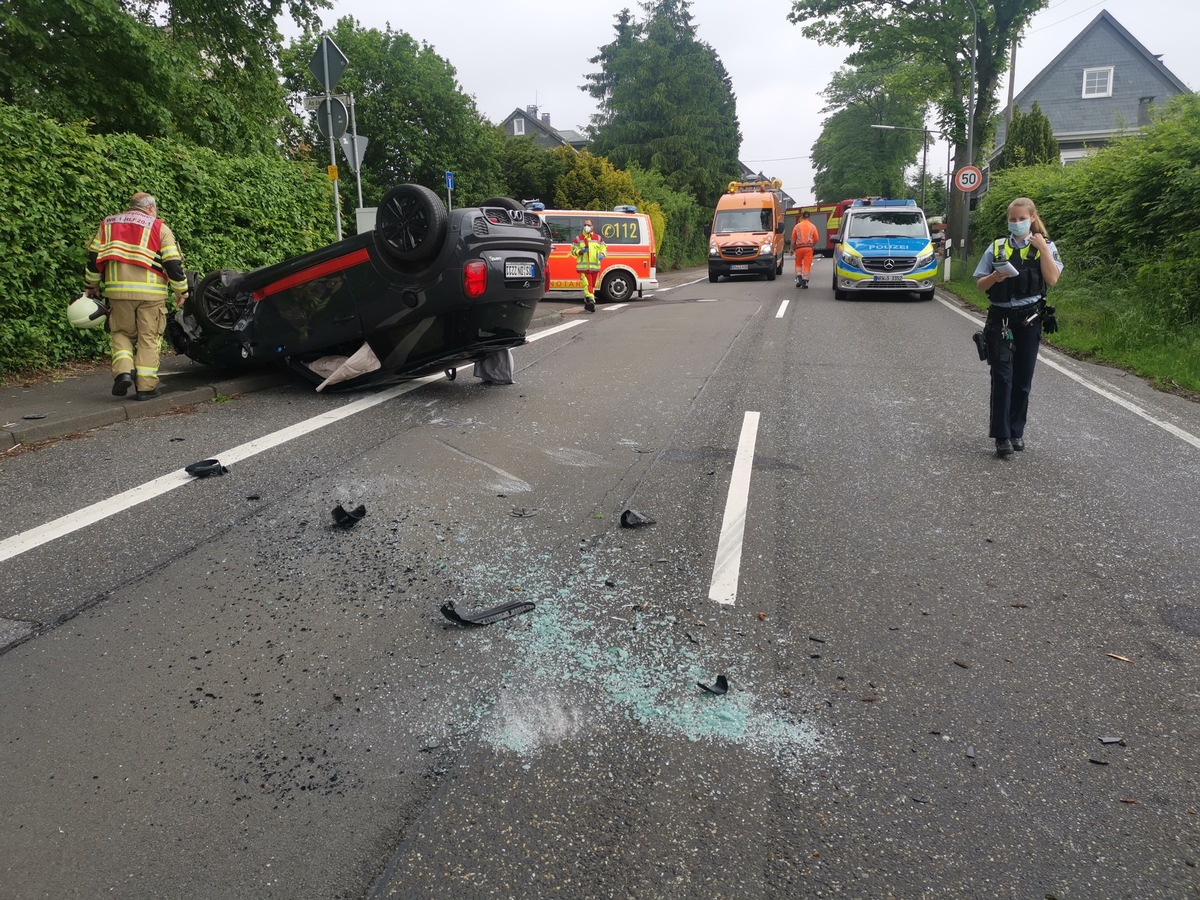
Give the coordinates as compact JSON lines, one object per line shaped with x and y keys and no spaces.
{"x":1029,"y":283}
{"x":805,"y":234}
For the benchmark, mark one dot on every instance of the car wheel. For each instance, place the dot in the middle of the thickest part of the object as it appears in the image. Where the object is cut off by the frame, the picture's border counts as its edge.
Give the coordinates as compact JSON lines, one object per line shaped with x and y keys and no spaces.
{"x":618,"y":287}
{"x":925,"y":295}
{"x":779,"y":268}
{"x":713,"y":277}
{"x":411,"y":223}
{"x":771,"y":274}
{"x":213,"y":305}
{"x":503,"y":203}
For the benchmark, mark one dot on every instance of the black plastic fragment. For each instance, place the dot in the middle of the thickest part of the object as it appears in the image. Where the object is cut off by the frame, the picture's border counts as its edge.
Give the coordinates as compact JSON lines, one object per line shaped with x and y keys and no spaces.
{"x":206,"y":468}
{"x":1112,"y":740}
{"x":631,"y":518}
{"x":487,"y":616}
{"x":720,"y":687}
{"x":345,"y":518}
{"x":34,"y":416}
{"x":522,"y":512}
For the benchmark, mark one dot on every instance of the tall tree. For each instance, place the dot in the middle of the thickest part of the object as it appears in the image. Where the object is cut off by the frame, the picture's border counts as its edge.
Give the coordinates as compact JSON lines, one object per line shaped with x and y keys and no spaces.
{"x":408,"y":102}
{"x":934,"y":33}
{"x":666,"y":102}
{"x":193,"y":69}
{"x":851,"y":158}
{"x":1029,"y":140}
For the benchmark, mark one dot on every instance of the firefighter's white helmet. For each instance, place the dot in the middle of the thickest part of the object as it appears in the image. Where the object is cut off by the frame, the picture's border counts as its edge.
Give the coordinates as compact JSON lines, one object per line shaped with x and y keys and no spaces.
{"x":86,"y":312}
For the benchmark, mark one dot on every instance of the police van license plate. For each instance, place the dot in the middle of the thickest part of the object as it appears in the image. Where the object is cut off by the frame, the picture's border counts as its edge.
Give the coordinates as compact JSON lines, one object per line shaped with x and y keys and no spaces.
{"x":889,"y":279}
{"x":520,"y":270}
{"x":739,"y":267}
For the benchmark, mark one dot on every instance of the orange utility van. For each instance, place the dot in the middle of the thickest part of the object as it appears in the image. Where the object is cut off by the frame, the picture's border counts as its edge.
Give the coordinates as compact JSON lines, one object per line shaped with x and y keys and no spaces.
{"x":629,"y":266}
{"x":746,"y":236}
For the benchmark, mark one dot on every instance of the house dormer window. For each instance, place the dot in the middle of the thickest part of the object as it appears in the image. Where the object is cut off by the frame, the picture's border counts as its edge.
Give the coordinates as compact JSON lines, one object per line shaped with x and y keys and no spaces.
{"x":1097,"y":82}
{"x":518,"y":126}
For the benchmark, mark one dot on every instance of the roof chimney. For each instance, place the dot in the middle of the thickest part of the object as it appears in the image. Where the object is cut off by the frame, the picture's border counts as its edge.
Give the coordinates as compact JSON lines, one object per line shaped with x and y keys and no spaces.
{"x":531,"y":111}
{"x":545,"y":118}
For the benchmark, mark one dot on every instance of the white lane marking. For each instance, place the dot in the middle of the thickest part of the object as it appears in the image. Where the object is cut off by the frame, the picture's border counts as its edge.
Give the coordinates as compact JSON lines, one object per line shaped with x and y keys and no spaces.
{"x":685,"y":284}
{"x":608,"y":308}
{"x":90,"y":515}
{"x":782,"y":309}
{"x":1134,"y":408}
{"x":728,"y":563}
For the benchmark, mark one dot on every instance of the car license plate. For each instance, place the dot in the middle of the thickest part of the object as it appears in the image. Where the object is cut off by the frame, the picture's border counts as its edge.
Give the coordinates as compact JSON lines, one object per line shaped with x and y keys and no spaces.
{"x":740,"y":267}
{"x":520,"y":270}
{"x":889,"y":279}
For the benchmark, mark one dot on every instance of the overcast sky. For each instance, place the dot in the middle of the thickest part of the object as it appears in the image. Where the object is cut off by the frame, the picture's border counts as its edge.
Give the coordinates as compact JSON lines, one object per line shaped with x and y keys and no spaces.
{"x":519,"y":53}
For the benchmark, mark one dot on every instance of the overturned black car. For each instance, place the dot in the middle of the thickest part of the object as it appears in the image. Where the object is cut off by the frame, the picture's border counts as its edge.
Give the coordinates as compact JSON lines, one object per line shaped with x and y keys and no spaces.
{"x":425,"y":291}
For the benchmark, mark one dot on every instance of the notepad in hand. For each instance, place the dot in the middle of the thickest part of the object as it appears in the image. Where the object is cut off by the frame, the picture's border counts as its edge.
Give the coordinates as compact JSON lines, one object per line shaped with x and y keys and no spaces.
{"x":1005,"y":268}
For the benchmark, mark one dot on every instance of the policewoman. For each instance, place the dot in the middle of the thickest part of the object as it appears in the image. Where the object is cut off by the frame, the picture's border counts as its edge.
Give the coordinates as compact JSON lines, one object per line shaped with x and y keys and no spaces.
{"x":1016,"y":314}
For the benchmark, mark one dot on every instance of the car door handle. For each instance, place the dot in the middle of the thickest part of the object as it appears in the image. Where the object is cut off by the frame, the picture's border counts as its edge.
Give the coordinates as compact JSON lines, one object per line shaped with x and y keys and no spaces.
{"x":341,"y":320}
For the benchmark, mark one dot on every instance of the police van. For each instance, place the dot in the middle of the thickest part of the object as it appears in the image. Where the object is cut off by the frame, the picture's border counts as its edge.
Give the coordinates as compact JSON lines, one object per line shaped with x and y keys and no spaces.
{"x":884,"y":245}
{"x":631,"y":264}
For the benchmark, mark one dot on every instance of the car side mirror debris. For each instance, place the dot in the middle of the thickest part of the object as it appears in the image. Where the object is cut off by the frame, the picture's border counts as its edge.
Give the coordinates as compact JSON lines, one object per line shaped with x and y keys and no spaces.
{"x":631,"y":518}
{"x":345,"y":518}
{"x":720,"y":687}
{"x":206,"y":468}
{"x":487,"y":616}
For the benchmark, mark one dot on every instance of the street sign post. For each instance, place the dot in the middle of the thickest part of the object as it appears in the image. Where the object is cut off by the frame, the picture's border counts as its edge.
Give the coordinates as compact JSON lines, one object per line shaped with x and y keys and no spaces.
{"x":449,"y":189}
{"x":327,"y":64}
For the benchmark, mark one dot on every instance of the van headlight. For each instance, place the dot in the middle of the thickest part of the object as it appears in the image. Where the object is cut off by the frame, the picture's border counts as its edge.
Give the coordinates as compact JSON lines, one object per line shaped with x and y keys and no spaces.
{"x":925,"y":259}
{"x":713,"y":251}
{"x":850,"y":259}
{"x":767,"y":249}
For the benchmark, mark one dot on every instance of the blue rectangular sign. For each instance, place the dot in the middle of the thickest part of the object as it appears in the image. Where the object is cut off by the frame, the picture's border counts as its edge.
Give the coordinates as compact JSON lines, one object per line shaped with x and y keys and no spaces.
{"x":450,"y":180}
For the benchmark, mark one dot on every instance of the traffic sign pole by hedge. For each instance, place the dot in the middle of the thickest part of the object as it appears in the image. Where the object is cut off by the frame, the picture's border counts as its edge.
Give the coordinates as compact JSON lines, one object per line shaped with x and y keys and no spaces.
{"x":327,"y":64}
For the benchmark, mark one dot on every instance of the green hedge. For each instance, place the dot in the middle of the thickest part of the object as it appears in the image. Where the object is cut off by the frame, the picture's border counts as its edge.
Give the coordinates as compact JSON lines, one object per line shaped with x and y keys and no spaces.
{"x":57,"y":182}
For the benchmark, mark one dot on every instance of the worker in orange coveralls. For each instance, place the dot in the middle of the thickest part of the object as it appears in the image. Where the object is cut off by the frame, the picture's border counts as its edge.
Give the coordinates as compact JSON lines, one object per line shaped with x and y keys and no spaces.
{"x":804,"y":238}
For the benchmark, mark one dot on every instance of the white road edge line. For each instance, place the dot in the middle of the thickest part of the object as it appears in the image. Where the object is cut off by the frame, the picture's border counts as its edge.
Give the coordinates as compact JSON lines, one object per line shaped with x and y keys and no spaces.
{"x":782,"y":309}
{"x":674,"y":286}
{"x":608,"y":308}
{"x":728,"y":563}
{"x":90,"y":515}
{"x":1134,"y":408}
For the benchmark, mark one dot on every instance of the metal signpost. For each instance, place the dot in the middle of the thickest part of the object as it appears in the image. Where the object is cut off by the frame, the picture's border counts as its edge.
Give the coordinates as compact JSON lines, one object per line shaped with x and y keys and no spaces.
{"x":327,"y":64}
{"x":449,"y":189}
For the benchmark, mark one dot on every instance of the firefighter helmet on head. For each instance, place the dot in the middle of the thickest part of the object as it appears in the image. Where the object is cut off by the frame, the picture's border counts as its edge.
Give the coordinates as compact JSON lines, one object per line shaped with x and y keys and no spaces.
{"x":86,"y":312}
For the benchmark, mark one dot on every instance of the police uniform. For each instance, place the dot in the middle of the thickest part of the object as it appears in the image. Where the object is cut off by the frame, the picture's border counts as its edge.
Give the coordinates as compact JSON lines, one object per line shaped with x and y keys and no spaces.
{"x":136,"y":257}
{"x":1012,"y":340}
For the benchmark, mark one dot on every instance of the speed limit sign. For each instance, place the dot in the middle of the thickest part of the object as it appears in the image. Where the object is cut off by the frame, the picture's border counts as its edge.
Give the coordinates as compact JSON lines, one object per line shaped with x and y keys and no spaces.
{"x":968,"y":178}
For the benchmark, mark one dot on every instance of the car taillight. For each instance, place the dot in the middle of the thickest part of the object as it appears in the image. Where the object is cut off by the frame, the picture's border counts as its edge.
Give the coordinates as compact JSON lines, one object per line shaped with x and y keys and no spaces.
{"x":653,"y":260}
{"x":474,"y":278}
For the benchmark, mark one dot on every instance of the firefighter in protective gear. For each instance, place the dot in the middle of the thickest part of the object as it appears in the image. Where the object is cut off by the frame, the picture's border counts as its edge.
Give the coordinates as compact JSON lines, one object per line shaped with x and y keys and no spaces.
{"x":135,"y":257}
{"x":589,"y":250}
{"x":804,"y":238}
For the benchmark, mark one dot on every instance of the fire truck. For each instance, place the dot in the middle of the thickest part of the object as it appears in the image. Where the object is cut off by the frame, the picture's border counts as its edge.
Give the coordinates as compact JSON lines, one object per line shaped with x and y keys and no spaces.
{"x":828,"y":219}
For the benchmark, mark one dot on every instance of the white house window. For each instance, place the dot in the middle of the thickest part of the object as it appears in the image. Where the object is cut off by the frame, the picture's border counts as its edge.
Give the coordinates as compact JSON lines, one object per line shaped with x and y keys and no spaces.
{"x":1098,"y":82}
{"x":518,"y":125}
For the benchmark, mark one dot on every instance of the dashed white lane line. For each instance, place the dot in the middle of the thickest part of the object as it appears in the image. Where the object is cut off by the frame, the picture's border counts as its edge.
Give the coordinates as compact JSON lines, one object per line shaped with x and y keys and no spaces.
{"x":90,"y":515}
{"x":727,"y":566}
{"x":1134,"y":408}
{"x":782,"y":309}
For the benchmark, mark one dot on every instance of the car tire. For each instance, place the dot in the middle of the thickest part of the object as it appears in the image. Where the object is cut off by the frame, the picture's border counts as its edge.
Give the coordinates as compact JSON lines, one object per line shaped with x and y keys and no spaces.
{"x":779,"y":268}
{"x":838,"y":293}
{"x":503,"y":203}
{"x":411,"y":223}
{"x":771,"y":274}
{"x":213,"y":305}
{"x":713,"y":277}
{"x":618,"y":287}
{"x":925,"y":295}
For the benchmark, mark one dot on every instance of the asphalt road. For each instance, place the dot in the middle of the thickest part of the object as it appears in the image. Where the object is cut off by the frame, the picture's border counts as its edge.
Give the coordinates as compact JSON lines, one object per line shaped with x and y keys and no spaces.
{"x":950,"y":675}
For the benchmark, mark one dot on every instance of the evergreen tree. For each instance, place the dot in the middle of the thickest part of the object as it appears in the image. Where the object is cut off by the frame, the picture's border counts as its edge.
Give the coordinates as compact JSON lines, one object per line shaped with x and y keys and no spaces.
{"x":666,"y":102}
{"x":1029,"y":141}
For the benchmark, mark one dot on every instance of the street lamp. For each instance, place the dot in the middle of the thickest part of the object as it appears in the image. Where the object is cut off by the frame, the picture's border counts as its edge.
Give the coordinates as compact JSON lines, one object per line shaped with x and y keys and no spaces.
{"x":924,"y":149}
{"x":966,"y":210}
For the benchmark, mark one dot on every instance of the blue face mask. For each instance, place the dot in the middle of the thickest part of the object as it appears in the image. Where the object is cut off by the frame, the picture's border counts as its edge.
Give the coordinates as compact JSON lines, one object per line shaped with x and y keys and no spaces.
{"x":1019,"y":229}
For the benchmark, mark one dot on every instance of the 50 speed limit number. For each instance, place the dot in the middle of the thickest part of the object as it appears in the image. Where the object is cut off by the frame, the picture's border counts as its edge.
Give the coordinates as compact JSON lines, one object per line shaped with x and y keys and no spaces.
{"x":968,"y":178}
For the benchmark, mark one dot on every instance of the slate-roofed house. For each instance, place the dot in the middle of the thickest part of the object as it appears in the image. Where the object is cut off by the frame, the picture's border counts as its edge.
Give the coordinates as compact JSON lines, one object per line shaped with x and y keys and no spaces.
{"x":1103,"y":83}
{"x":526,"y":123}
